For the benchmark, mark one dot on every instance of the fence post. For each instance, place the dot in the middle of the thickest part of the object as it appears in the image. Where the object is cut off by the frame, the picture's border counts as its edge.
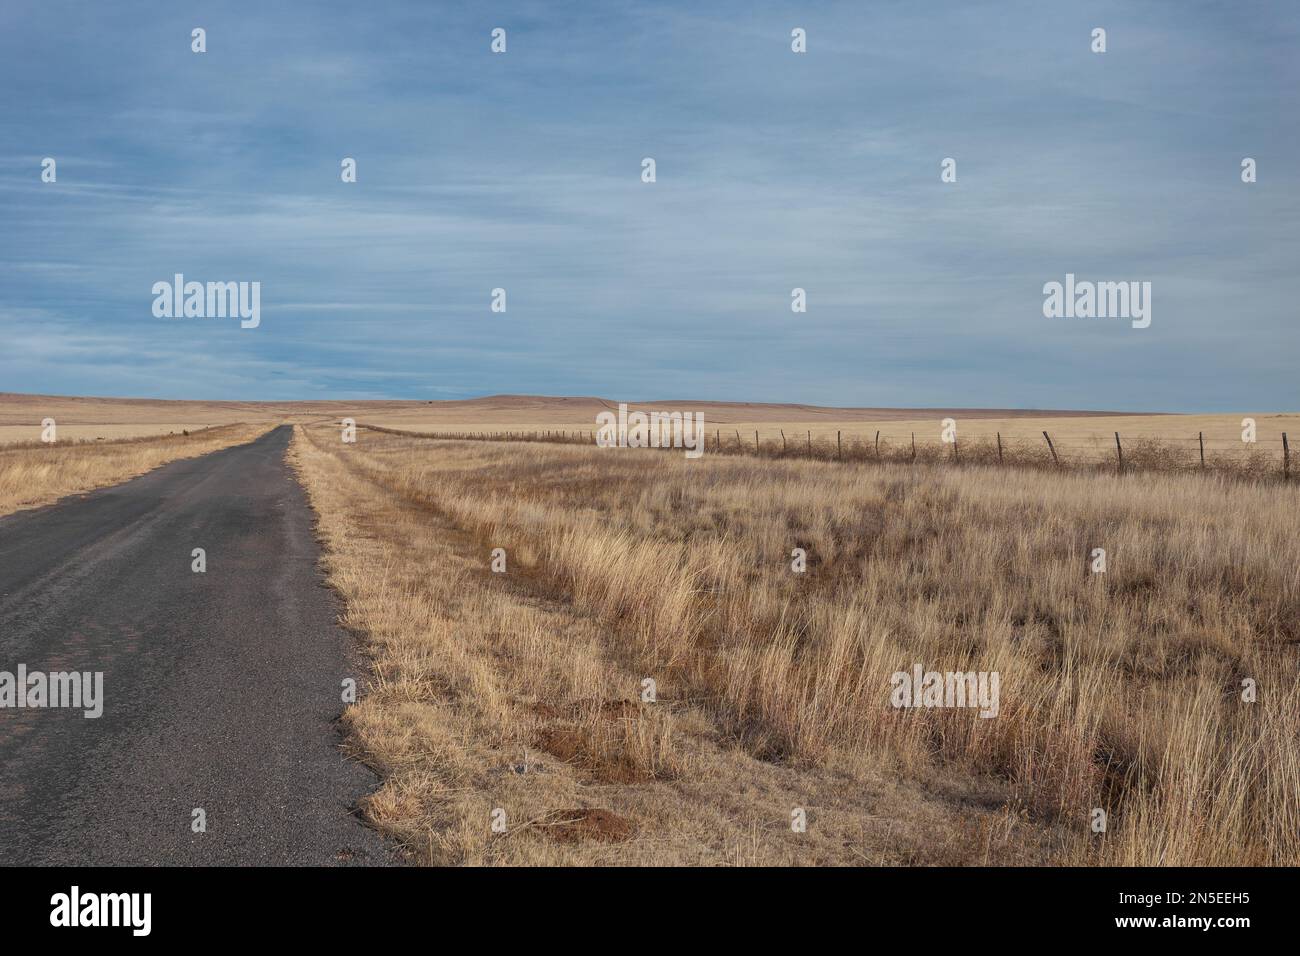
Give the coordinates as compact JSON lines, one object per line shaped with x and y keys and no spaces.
{"x":1119,"y":452}
{"x":956,"y":458}
{"x":810,"y":444}
{"x":913,"y":446}
{"x":999,"y":448}
{"x":1051,"y":448}
{"x":782,"y":441}
{"x":877,"y":444}
{"x":756,"y":441}
{"x":839,"y":448}
{"x":1200,"y":436}
{"x":1286,"y":459}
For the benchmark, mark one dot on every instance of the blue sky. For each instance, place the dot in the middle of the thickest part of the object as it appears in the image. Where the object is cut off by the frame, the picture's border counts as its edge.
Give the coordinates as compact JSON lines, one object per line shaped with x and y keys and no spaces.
{"x":775,"y":170}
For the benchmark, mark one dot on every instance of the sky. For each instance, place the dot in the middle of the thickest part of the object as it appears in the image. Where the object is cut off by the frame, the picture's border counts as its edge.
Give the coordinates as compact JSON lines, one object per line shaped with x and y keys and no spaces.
{"x":775,"y":170}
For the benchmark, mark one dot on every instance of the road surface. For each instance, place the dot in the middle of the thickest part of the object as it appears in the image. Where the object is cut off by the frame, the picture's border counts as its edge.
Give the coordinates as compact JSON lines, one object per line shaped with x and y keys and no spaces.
{"x":221,"y":690}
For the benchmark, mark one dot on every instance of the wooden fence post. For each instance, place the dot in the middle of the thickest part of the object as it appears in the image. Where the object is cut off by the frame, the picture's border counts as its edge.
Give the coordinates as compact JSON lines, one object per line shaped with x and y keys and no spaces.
{"x":1286,"y":459}
{"x":1051,"y":448}
{"x":810,"y":443}
{"x":782,"y":441}
{"x":999,"y":448}
{"x":913,"y":446}
{"x":955,"y":456}
{"x":756,"y":441}
{"x":1200,"y":436}
{"x":1119,"y":452}
{"x":839,"y":448}
{"x":877,"y":444}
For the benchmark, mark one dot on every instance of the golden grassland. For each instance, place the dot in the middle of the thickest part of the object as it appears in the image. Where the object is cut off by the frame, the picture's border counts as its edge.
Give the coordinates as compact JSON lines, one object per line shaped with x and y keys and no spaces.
{"x":34,"y":473}
{"x":1084,"y":432}
{"x":1079,"y":436}
{"x":522,"y":691}
{"x":112,"y":419}
{"x":72,"y":433}
{"x":1256,"y":459}
{"x":27,"y":410}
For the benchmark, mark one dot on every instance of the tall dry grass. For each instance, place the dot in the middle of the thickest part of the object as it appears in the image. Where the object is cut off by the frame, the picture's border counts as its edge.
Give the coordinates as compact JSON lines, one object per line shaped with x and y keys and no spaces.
{"x":1120,"y":691}
{"x":34,"y":474}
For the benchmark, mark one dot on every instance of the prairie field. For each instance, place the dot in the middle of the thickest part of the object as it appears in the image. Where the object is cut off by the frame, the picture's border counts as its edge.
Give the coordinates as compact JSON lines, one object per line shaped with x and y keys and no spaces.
{"x":75,"y":432}
{"x":1148,"y":707}
{"x":624,"y":656}
{"x":1078,"y":438}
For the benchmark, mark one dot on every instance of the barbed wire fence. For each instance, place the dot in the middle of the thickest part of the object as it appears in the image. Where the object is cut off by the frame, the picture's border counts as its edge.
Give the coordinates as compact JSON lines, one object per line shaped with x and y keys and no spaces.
{"x":1257,"y":460}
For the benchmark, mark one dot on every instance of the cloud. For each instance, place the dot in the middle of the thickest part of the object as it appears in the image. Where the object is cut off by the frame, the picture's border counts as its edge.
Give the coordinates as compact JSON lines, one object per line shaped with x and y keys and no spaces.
{"x":775,"y":170}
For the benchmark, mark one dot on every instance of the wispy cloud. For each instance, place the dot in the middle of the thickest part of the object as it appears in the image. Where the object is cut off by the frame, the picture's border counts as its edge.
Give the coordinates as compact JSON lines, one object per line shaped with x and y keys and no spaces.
{"x":775,"y":170}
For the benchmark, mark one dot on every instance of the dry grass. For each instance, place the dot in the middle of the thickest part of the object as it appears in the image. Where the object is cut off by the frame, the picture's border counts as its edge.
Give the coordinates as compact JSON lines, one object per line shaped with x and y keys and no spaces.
{"x":1080,"y":436}
{"x":503,"y":691}
{"x":521,"y":691}
{"x":34,"y":474}
{"x":72,"y":433}
{"x":1154,"y":443}
{"x":17,"y":409}
{"x":1120,"y":690}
